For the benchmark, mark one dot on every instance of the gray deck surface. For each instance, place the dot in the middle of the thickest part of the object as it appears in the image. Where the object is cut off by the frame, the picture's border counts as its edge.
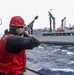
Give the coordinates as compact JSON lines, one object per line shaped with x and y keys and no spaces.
{"x":31,"y":72}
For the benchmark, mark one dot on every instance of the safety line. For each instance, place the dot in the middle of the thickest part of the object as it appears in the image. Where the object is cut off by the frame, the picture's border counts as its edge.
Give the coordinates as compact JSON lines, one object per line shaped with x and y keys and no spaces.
{"x":43,"y":54}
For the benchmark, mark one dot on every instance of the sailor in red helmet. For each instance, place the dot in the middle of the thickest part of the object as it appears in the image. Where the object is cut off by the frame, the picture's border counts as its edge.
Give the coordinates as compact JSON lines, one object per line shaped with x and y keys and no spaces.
{"x":12,"y":47}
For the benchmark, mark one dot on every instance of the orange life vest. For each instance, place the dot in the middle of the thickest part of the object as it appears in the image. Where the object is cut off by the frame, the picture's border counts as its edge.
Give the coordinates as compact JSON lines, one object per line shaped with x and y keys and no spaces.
{"x":11,"y":63}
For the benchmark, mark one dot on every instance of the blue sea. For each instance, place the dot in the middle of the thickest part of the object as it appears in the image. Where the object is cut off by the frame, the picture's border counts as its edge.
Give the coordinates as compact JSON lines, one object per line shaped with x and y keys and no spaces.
{"x":51,"y":59}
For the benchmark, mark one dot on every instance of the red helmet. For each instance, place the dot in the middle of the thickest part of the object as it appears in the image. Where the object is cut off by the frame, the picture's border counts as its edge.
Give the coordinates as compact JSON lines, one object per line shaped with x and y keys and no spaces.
{"x":17,"y":21}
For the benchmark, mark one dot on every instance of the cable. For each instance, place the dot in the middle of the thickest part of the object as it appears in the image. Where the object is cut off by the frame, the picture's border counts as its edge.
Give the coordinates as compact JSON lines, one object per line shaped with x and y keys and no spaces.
{"x":43,"y":54}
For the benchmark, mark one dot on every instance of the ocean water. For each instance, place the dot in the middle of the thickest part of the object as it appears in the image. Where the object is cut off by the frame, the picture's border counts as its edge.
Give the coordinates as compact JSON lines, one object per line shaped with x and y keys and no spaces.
{"x":51,"y":59}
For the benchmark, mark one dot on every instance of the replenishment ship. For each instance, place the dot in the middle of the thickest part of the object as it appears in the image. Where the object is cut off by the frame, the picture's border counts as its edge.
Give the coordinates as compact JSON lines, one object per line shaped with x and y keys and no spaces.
{"x":62,"y":35}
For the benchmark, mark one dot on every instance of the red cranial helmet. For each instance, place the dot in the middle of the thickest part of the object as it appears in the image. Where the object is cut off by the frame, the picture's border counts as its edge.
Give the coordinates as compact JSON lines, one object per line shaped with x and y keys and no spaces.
{"x":17,"y":21}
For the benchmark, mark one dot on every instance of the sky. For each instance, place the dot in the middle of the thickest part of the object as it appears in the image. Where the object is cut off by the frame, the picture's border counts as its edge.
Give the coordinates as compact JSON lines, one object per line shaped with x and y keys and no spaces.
{"x":28,"y":9}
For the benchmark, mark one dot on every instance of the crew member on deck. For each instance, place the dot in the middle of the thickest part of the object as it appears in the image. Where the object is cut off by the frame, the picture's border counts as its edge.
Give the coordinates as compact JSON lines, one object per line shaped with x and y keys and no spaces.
{"x":12,"y":47}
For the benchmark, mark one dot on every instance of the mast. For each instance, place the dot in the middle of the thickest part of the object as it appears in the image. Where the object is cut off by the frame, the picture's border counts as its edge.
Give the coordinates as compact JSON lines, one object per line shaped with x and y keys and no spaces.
{"x":62,"y":22}
{"x":51,"y":17}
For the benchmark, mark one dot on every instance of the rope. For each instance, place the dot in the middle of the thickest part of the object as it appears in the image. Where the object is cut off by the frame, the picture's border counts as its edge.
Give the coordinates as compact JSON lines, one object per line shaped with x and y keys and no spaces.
{"x":53,"y":55}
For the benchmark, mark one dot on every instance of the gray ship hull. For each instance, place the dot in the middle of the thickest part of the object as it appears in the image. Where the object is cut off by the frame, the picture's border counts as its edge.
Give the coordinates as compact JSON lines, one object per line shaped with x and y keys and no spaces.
{"x":55,"y":38}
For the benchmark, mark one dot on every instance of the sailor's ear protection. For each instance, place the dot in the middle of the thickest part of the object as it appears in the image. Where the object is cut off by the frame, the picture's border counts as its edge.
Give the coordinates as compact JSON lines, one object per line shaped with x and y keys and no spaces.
{"x":19,"y":30}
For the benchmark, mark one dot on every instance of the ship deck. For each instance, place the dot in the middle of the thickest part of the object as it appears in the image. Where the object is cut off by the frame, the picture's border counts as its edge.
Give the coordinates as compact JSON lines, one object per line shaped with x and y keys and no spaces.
{"x":31,"y":72}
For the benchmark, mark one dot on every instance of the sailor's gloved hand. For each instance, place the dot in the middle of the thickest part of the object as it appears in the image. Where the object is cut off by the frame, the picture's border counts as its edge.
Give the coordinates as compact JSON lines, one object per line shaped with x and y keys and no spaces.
{"x":26,"y":34}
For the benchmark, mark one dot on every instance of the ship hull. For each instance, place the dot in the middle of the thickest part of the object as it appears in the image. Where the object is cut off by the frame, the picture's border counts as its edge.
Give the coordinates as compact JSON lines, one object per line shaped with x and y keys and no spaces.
{"x":60,"y":39}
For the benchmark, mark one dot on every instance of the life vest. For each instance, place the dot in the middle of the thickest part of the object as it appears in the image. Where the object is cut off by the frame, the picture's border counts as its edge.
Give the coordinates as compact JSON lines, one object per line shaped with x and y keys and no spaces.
{"x":11,"y":63}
